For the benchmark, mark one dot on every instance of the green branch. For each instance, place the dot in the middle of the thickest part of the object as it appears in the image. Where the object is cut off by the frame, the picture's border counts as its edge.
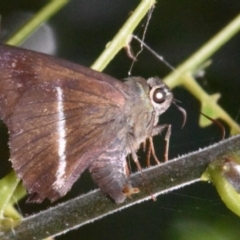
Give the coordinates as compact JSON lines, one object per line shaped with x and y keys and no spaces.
{"x":121,"y":38}
{"x":94,"y":205}
{"x":183,"y":76}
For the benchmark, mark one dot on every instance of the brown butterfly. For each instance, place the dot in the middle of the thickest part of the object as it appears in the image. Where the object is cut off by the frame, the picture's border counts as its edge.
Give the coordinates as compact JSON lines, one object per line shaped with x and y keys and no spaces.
{"x":64,"y":118}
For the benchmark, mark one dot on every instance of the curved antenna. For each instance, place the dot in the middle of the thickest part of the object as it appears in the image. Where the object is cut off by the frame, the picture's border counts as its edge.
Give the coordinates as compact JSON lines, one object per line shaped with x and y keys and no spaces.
{"x":219,"y":124}
{"x":183,"y":111}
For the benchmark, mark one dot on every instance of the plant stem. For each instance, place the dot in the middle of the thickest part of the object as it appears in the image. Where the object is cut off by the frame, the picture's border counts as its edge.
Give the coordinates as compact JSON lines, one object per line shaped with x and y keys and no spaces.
{"x":94,"y":205}
{"x":121,"y":38}
{"x":198,"y":58}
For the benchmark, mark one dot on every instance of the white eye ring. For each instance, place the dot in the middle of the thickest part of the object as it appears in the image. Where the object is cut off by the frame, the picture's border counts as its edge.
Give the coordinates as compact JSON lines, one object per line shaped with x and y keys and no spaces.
{"x":159,"y":95}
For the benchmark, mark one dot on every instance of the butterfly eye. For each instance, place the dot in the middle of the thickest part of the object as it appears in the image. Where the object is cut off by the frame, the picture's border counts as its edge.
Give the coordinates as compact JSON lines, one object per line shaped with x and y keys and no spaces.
{"x":159,"y":95}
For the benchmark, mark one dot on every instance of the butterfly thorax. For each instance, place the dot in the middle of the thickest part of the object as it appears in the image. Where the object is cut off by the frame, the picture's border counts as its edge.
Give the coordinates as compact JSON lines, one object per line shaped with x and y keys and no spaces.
{"x":142,"y":111}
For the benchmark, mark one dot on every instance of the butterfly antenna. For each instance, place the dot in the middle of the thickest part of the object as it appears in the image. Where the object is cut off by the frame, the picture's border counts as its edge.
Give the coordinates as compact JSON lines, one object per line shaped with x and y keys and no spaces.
{"x":219,"y":124}
{"x":159,"y":57}
{"x":183,"y":111}
{"x":128,"y":47}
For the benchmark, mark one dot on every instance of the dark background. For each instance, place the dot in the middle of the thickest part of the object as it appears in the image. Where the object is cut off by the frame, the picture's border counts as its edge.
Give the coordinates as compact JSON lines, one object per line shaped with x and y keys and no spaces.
{"x":79,"y":33}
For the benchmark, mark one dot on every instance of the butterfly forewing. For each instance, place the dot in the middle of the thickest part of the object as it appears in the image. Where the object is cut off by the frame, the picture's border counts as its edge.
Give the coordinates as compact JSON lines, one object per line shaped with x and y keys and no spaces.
{"x":61,"y":117}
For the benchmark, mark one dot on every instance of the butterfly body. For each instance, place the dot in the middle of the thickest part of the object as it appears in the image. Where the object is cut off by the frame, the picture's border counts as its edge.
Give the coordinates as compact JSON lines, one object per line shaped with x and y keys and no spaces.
{"x":64,"y":118}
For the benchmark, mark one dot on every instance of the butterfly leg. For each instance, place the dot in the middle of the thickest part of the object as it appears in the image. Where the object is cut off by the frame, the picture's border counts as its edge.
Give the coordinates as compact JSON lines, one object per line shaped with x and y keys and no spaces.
{"x":157,"y":130}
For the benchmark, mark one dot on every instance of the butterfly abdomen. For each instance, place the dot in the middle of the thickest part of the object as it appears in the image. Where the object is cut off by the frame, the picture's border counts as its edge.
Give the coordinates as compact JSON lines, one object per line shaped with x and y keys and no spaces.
{"x":109,"y":172}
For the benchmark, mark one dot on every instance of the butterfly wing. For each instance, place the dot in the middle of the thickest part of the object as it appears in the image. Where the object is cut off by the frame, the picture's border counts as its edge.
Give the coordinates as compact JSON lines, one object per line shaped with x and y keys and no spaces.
{"x":61,"y":116}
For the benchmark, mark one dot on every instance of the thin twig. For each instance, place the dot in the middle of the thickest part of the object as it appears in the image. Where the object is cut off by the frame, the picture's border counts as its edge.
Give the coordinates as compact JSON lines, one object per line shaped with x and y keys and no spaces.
{"x":94,"y":205}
